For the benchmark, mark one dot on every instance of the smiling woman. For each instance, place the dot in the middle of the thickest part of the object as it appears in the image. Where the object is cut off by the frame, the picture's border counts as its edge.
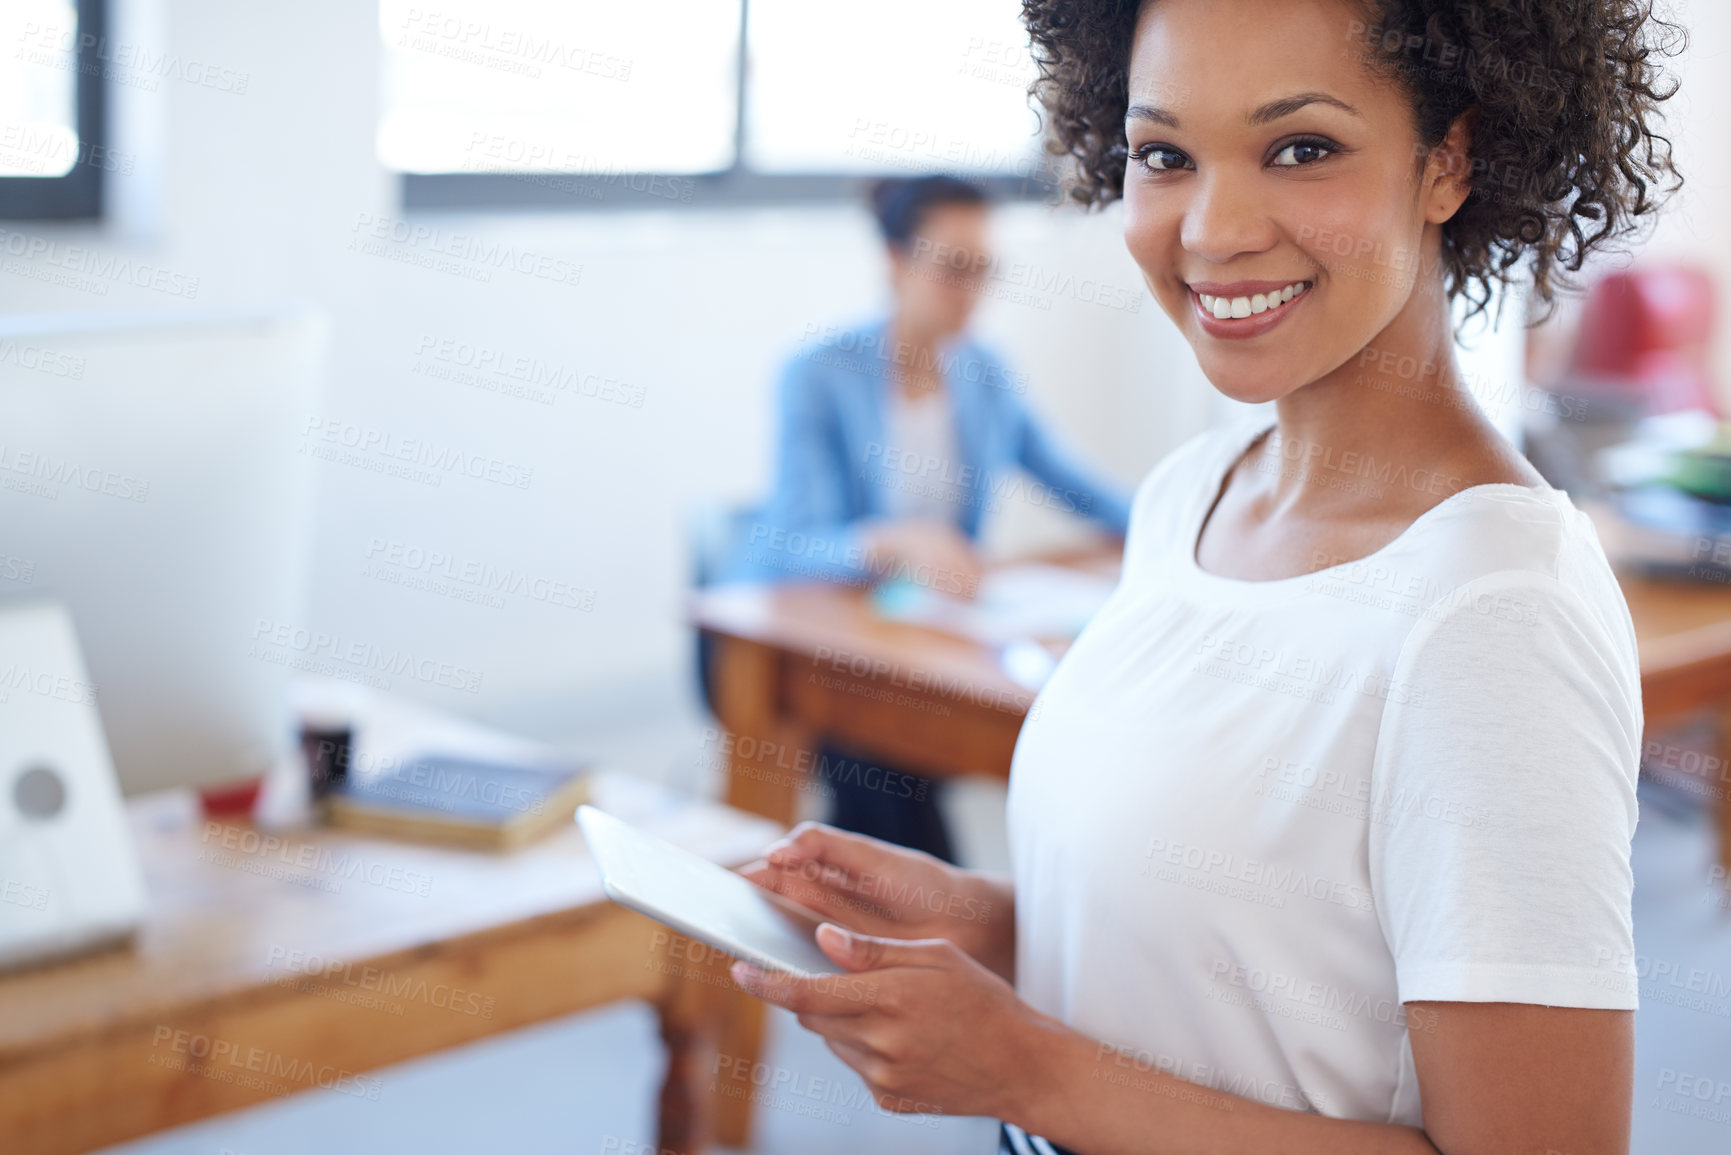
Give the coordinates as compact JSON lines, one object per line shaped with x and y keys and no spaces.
{"x":1321,"y":829}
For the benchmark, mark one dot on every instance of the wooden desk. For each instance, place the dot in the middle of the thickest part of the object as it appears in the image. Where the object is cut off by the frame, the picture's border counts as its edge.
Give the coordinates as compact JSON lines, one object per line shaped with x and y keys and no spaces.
{"x":1683,"y":631}
{"x":795,"y":664}
{"x":267,"y":969}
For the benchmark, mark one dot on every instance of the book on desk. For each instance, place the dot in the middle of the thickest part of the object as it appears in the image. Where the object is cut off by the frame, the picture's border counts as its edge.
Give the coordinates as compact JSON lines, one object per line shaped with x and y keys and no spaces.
{"x":461,"y":802}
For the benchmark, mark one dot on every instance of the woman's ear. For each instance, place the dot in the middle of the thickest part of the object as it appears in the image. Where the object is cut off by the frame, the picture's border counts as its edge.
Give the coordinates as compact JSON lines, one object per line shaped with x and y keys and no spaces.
{"x":1448,"y":170}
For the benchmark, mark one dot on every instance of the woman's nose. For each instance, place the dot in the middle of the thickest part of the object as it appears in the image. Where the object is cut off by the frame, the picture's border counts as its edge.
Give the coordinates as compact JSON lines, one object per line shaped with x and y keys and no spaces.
{"x":1226,"y":217}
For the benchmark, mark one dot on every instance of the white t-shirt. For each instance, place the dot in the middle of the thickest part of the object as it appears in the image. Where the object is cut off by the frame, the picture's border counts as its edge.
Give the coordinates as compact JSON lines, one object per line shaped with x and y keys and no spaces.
{"x":925,"y":481}
{"x":1250,"y":820}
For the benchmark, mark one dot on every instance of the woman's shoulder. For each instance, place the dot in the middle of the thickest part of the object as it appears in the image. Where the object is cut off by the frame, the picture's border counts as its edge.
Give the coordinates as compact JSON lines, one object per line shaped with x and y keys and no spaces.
{"x":1531,"y":544}
{"x":833,"y":369}
{"x":840,"y":350}
{"x":1505,"y":526}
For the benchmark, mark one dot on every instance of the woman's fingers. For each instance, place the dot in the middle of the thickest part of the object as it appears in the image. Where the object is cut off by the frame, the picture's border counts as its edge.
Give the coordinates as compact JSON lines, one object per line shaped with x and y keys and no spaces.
{"x":842,"y":1029}
{"x":851,"y":903}
{"x":864,"y":952}
{"x":823,"y":858}
{"x":834,"y":995}
{"x":803,"y":834}
{"x":791,"y":884}
{"x":823,"y":899}
{"x":857,"y":1057}
{"x":815,"y":842}
{"x":859,"y":881}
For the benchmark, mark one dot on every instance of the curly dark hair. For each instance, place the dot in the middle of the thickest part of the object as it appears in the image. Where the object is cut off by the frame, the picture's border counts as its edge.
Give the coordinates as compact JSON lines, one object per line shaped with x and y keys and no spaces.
{"x":1566,"y":156}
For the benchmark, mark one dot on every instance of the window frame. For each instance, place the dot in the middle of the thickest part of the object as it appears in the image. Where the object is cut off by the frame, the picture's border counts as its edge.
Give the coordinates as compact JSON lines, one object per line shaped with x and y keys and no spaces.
{"x":78,"y":194}
{"x":736,"y":186}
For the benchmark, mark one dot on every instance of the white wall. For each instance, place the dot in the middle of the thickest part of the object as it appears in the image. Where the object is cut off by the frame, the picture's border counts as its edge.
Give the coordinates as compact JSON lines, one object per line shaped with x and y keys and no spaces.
{"x":258,"y":196}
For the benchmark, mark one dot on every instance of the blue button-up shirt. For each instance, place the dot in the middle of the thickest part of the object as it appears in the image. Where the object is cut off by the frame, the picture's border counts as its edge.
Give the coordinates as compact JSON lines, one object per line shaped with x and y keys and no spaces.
{"x":834,"y":468}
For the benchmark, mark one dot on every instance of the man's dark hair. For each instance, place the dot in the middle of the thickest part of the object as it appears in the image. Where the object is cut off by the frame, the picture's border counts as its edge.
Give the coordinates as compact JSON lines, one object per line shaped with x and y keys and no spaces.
{"x":902,"y":204}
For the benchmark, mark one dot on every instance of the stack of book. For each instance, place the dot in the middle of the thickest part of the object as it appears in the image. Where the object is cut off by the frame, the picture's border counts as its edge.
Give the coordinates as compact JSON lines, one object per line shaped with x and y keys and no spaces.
{"x":460,"y":802}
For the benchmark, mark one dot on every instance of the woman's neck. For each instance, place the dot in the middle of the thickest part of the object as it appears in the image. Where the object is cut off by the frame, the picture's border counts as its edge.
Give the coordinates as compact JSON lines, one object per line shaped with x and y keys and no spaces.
{"x":1357,"y":456}
{"x":1399,"y":400}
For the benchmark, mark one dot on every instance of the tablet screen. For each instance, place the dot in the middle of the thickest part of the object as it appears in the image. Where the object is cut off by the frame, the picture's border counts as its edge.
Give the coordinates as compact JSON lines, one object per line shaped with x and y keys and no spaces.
{"x":698,"y":898}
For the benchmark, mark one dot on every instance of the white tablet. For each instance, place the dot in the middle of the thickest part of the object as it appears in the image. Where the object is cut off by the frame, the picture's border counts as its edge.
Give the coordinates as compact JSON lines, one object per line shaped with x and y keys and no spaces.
{"x":708,"y":902}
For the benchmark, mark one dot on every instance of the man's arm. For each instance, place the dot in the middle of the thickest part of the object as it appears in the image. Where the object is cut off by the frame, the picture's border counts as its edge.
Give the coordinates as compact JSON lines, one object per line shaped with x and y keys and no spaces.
{"x":1073,"y":486}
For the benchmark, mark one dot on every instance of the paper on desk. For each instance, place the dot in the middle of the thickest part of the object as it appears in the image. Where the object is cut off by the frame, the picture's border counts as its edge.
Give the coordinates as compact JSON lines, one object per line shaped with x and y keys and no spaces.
{"x":1015,"y":603}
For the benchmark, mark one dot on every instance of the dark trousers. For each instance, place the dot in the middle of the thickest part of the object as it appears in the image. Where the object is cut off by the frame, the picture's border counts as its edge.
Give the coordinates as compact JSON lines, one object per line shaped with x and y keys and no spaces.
{"x":870,"y":798}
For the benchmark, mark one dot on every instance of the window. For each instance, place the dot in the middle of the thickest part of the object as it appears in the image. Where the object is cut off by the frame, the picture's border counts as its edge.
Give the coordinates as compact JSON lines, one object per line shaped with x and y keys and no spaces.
{"x":52,"y":153}
{"x":592,"y":103}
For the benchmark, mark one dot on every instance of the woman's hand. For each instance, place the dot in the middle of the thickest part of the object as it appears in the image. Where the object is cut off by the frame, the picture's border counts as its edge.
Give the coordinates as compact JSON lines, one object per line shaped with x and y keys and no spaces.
{"x":929,"y":1029}
{"x":880,"y":889}
{"x":936,"y":547}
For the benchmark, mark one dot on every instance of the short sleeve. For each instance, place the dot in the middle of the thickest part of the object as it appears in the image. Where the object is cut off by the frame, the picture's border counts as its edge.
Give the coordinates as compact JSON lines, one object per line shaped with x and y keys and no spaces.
{"x":1504,"y":799}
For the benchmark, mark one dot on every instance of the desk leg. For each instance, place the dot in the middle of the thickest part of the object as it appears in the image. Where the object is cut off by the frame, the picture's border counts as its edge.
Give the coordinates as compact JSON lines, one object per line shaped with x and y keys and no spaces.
{"x":768,"y":757}
{"x":768,"y":764}
{"x":692,"y":1011}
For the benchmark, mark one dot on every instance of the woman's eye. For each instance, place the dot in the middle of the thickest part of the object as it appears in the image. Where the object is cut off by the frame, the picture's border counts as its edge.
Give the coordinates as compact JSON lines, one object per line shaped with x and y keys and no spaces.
{"x":1301,"y":152}
{"x":1160,"y":158}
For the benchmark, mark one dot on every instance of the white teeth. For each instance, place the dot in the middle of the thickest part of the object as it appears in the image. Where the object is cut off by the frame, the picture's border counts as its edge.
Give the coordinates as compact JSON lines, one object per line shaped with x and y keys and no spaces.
{"x":1224,"y":307}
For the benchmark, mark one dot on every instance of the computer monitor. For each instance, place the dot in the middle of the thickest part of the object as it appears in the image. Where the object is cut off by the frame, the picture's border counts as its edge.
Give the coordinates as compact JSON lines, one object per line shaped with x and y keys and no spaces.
{"x":152,"y":480}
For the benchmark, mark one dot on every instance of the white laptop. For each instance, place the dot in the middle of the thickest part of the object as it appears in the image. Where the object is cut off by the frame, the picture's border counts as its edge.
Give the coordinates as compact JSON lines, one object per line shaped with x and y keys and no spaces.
{"x":69,"y":877}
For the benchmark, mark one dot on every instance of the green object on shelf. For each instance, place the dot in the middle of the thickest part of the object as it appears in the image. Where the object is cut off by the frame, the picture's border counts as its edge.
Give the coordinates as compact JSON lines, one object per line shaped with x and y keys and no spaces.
{"x":1703,"y":474}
